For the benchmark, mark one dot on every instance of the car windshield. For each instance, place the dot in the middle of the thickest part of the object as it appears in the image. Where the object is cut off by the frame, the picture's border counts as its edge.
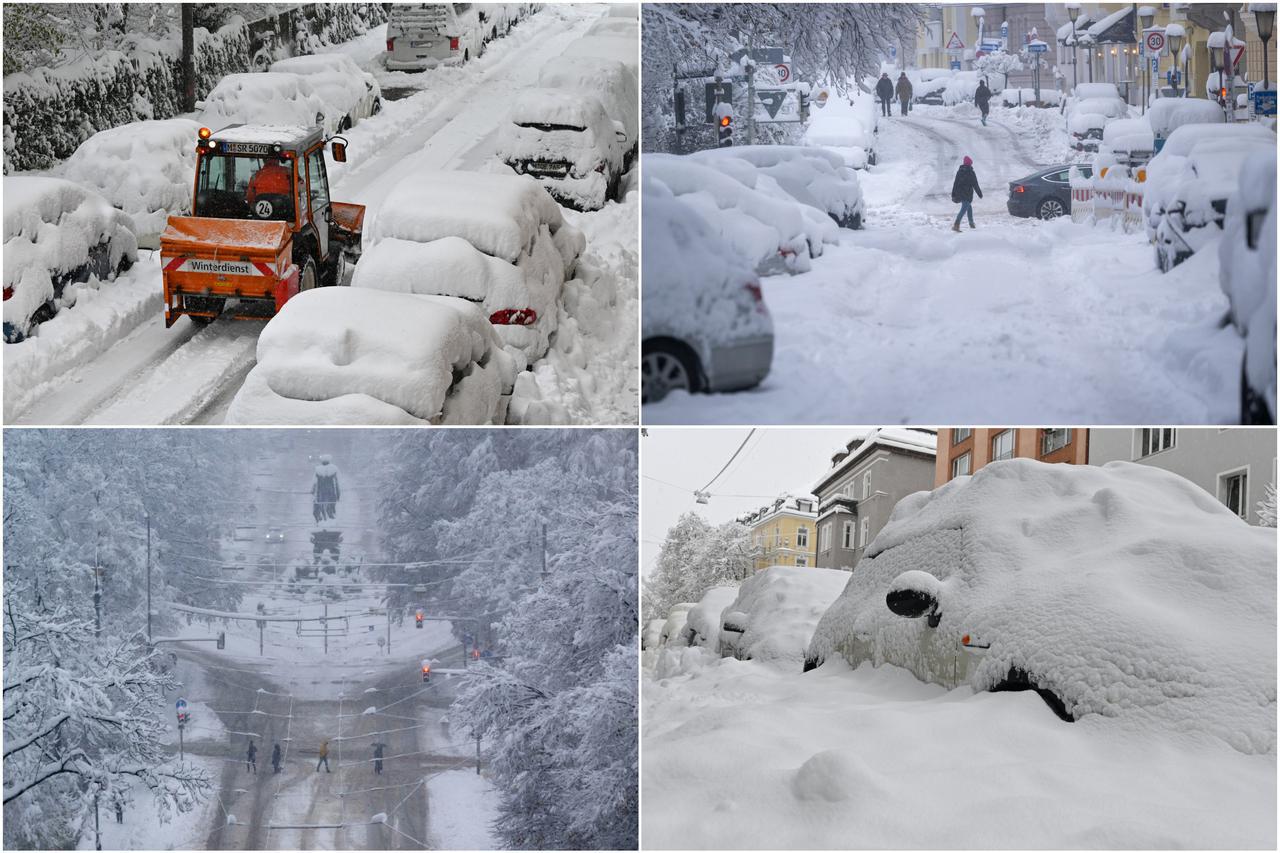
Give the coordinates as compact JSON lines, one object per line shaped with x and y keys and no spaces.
{"x":243,"y":186}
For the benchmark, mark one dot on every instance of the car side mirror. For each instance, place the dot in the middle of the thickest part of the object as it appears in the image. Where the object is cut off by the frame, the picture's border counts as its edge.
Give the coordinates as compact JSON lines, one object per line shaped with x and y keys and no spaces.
{"x":914,"y":594}
{"x":339,"y":149}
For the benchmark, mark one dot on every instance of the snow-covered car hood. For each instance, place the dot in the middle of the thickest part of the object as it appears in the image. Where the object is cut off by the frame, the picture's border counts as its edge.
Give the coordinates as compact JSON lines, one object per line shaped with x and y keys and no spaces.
{"x":1126,"y":590}
{"x":267,"y":98}
{"x":777,"y":610}
{"x":812,"y":176}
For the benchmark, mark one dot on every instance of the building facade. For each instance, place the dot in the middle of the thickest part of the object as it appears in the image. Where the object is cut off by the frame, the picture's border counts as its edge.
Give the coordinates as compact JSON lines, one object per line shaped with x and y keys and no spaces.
{"x":963,"y":450}
{"x":867,"y":478}
{"x":783,"y":533}
{"x":1234,"y":465}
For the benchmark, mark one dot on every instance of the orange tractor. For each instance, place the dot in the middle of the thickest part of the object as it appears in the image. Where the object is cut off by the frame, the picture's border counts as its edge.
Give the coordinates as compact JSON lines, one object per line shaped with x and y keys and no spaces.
{"x":262,"y":227}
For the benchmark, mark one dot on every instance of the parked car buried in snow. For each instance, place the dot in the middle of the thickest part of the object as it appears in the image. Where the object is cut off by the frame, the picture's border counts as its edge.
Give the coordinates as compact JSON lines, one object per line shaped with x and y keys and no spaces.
{"x":1123,"y":590}
{"x":838,"y":128}
{"x":704,"y":325}
{"x":812,"y":176}
{"x":609,"y":80}
{"x":777,"y":610}
{"x":263,"y":226}
{"x":268,"y":98}
{"x":424,"y":35}
{"x":339,"y":82}
{"x":345,"y":356}
{"x":57,"y":234}
{"x":1045,"y":194}
{"x":499,"y":241}
{"x":566,"y":141}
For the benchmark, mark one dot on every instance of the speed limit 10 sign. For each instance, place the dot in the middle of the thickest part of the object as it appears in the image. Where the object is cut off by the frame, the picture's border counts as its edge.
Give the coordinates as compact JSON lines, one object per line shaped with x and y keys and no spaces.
{"x":1155,"y":42}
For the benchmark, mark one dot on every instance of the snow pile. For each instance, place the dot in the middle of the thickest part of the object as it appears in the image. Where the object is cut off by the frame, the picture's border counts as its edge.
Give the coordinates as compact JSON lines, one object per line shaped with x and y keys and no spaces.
{"x":702,"y":627}
{"x":1168,"y":114}
{"x":336,"y":355}
{"x":623,"y":48}
{"x":776,"y":611}
{"x":696,"y":287}
{"x":840,"y":127}
{"x":56,"y":232}
{"x":266,"y":98}
{"x":812,"y":176}
{"x":773,"y":235}
{"x":1021,"y":97}
{"x":960,"y":88}
{"x":1125,"y":590}
{"x":146,"y":169}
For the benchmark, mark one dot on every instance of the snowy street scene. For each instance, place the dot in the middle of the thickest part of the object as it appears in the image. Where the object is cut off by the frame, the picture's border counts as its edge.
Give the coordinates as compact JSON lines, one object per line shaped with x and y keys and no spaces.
{"x":959,"y":638}
{"x":340,"y":639}
{"x":912,"y":213}
{"x":280,"y":214}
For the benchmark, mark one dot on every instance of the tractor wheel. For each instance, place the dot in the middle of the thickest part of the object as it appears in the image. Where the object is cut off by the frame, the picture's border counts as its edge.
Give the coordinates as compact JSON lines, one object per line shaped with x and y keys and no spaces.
{"x":307,"y":281}
{"x":337,"y":269}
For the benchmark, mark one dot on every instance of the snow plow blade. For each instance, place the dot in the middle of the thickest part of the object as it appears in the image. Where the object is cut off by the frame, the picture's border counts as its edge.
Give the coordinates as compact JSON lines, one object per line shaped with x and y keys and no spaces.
{"x":348,"y":222}
{"x":210,"y":260}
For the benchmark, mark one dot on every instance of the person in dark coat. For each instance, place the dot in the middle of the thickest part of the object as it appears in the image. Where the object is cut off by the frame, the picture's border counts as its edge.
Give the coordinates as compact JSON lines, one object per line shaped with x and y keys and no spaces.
{"x":966,"y":184}
{"x":982,"y":99}
{"x":377,"y":757}
{"x":884,"y":91}
{"x":119,"y":811}
{"x":903,"y":90}
{"x":325,"y":489}
{"x":275,"y":757}
{"x":251,"y":758}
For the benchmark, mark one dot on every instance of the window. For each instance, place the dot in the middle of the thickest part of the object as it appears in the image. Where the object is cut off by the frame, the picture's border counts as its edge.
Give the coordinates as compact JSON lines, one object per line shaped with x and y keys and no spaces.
{"x":848,"y":535}
{"x":824,"y":537}
{"x":802,"y":537}
{"x":1054,"y":438}
{"x":1233,"y":491}
{"x":804,"y":506}
{"x":1002,"y":445}
{"x":1155,"y":440}
{"x":777,"y":536}
{"x":959,"y":435}
{"x":960,"y":465}
{"x":851,"y":490}
{"x":802,"y":561}
{"x":865,"y":533}
{"x":318,"y":183}
{"x":866,"y":485}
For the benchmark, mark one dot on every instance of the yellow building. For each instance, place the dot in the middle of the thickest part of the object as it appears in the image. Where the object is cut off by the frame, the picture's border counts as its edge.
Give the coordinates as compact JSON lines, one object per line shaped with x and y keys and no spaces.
{"x":782,"y":533}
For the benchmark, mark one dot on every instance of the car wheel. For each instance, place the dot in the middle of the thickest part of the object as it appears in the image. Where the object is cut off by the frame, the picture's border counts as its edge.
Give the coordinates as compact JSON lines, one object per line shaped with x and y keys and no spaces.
{"x":667,"y":367}
{"x":377,"y":106}
{"x":307,"y":281}
{"x":1051,"y":208}
{"x":1253,"y":411}
{"x":345,"y":124}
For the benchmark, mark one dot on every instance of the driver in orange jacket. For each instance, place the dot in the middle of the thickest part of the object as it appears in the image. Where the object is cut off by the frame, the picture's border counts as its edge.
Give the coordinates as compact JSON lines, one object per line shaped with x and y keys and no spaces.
{"x":274,"y":178}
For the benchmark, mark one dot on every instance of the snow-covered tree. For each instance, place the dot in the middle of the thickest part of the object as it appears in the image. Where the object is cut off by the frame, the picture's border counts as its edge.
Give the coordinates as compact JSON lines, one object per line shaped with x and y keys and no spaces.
{"x":1267,"y":506}
{"x":1000,"y":63}
{"x":696,"y":556}
{"x":560,"y":708}
{"x":81,"y":719}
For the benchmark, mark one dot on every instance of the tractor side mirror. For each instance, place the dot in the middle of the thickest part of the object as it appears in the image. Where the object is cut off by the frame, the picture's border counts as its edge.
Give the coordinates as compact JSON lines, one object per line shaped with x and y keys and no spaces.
{"x":339,"y":149}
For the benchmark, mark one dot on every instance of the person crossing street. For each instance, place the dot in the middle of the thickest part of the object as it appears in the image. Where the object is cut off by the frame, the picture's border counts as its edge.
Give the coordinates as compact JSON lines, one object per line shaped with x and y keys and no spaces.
{"x":275,"y":757}
{"x":962,"y":190}
{"x":377,"y":757}
{"x":324,"y":756}
{"x":982,"y":100}
{"x":251,"y":758}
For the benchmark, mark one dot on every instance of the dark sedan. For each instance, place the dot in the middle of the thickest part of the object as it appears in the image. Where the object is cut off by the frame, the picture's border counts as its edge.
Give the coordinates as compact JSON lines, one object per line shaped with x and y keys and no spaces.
{"x":1046,"y":194}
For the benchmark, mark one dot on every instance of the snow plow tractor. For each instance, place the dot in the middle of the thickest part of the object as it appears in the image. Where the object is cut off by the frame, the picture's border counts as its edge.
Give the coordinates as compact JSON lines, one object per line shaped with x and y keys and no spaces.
{"x":262,"y":227}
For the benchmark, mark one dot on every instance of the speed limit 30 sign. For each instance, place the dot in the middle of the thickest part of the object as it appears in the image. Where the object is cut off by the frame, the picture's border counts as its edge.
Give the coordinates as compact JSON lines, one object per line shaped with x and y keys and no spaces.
{"x":1155,"y":42}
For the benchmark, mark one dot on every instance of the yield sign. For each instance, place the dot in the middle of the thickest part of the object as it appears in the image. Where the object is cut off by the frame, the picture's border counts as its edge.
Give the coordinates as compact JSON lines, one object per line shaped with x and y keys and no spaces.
{"x":772,"y":101}
{"x":954,"y":42}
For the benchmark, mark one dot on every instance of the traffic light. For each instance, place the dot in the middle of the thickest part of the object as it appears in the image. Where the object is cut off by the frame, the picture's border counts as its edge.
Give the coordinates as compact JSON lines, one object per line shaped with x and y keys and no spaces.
{"x":426,"y":672}
{"x":417,"y":618}
{"x":222,"y":639}
{"x":726,"y":131}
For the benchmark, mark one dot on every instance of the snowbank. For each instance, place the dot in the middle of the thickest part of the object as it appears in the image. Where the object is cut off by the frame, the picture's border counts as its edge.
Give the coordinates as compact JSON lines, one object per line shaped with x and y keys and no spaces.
{"x":777,"y":610}
{"x":702,"y":627}
{"x":340,"y":355}
{"x":146,"y":169}
{"x":1126,"y":591}
{"x":812,"y":176}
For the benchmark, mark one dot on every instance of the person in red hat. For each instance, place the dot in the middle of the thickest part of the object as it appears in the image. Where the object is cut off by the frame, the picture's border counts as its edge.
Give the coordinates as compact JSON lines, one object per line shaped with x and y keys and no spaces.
{"x":966,"y":184}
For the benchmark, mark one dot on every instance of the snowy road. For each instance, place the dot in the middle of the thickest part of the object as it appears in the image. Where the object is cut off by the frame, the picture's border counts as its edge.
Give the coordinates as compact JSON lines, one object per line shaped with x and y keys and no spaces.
{"x":110,"y":359}
{"x":1020,"y":321}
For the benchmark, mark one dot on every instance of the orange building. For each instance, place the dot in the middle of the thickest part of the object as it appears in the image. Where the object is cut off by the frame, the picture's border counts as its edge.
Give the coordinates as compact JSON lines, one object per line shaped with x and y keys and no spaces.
{"x":963,"y":450}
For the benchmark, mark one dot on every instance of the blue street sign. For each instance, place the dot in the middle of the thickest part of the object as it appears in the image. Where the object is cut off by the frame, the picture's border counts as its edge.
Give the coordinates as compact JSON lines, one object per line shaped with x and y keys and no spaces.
{"x":893,"y":51}
{"x":1155,"y":65}
{"x":955,"y":65}
{"x":180,"y":704}
{"x":1264,"y":103}
{"x":1037,"y":48}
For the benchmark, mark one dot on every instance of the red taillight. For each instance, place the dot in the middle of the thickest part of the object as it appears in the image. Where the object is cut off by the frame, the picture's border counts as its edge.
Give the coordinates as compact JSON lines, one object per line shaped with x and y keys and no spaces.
{"x":391,"y":45}
{"x":453,"y":42}
{"x":1019,"y":189}
{"x":514,"y":317}
{"x":754,"y":289}
{"x":600,"y":168}
{"x":8,"y":292}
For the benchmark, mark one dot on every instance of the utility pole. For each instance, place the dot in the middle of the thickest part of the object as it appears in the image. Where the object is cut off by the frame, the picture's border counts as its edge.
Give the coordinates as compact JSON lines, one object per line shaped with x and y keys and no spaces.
{"x":388,"y":630}
{"x":148,"y":578}
{"x":262,"y":629}
{"x":477,"y":759}
{"x":326,"y":628}
{"x":188,"y":57}
{"x":751,"y":95}
{"x":97,"y":633}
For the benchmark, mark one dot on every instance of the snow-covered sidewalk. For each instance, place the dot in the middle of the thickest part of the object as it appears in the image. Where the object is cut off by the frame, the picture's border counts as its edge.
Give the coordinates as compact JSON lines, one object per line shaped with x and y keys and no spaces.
{"x":747,"y":755}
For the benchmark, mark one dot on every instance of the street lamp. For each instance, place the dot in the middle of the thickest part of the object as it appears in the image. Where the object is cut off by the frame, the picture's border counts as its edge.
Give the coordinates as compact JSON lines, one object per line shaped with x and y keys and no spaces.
{"x":1265,"y":16}
{"x":1073,"y":12}
{"x":1176,"y":36}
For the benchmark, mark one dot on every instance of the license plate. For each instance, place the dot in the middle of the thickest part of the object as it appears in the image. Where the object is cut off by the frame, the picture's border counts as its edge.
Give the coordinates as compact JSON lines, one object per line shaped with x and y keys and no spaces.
{"x":421,"y":43}
{"x":547,"y":170}
{"x":246,"y":148}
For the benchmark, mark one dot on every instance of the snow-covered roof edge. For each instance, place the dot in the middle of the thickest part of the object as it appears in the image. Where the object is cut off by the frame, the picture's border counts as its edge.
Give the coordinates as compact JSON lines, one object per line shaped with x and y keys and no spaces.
{"x":913,"y":439}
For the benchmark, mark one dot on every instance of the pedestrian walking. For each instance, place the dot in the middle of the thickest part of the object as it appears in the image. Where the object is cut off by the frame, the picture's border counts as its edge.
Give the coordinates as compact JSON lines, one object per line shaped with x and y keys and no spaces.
{"x":119,"y":812}
{"x":324,"y":756}
{"x":377,"y":757}
{"x":251,"y":758}
{"x":966,"y":184}
{"x":884,"y":91}
{"x":982,"y":99}
{"x":903,"y":90}
{"x":275,"y":757}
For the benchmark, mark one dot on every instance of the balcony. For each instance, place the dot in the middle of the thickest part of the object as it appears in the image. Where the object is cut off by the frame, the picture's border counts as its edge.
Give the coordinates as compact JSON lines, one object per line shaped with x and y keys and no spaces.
{"x":844,"y":502}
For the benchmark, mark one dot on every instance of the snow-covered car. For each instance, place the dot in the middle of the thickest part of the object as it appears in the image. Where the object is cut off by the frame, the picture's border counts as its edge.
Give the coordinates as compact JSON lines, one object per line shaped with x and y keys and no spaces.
{"x":270,"y":98}
{"x":1247,"y":264}
{"x":702,"y":626}
{"x":1087,"y":120}
{"x":776,"y":612}
{"x":704,"y":324}
{"x":673,"y":627}
{"x":57,"y":233}
{"x":651,"y":636}
{"x":1166,"y":170}
{"x":1196,"y":204}
{"x":339,"y":82}
{"x":496,"y":240}
{"x":338,"y":355}
{"x":424,"y":35}
{"x":567,"y":142}
{"x":274,"y":536}
{"x":1165,"y":115}
{"x":623,"y":48}
{"x":1122,"y":590}
{"x":1129,"y":141}
{"x":770,"y":230}
{"x":812,"y":176}
{"x":611,"y":81}
{"x":928,"y":84}
{"x":839,"y":129}
{"x":145,"y":168}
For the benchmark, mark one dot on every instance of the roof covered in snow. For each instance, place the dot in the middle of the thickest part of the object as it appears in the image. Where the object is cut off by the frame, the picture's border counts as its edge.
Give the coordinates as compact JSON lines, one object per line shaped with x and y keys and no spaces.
{"x":910,"y":439}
